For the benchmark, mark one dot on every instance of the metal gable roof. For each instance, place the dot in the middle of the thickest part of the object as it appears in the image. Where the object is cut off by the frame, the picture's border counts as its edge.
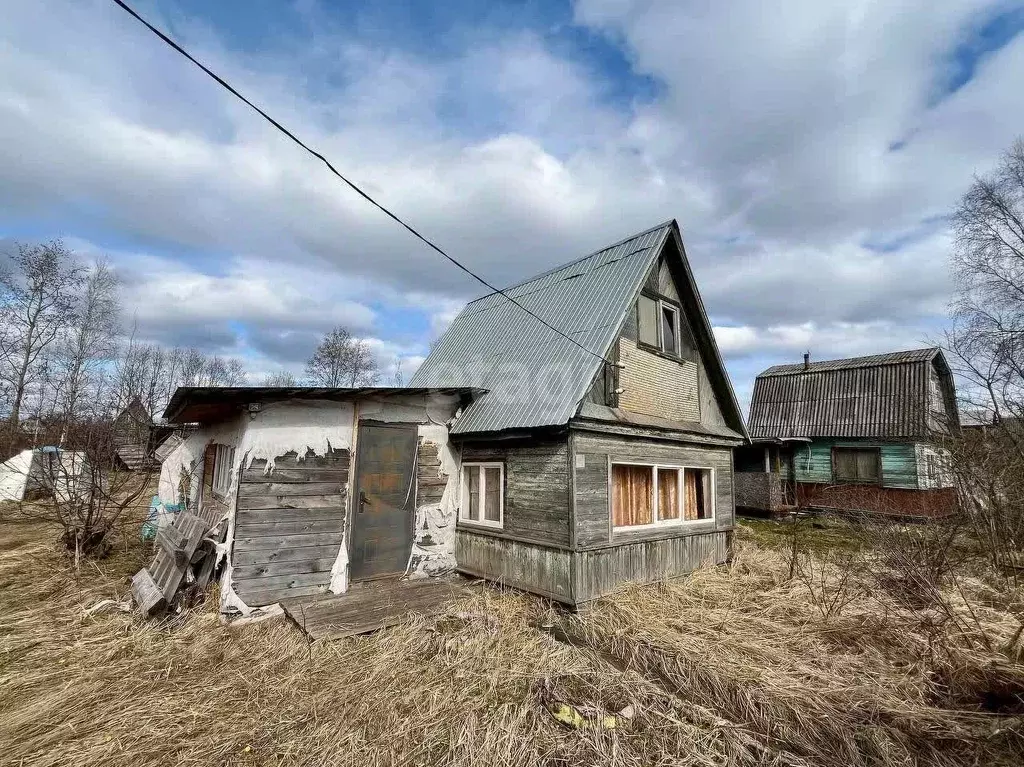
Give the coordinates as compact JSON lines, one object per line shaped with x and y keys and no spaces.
{"x":880,"y":396}
{"x":534,"y":376}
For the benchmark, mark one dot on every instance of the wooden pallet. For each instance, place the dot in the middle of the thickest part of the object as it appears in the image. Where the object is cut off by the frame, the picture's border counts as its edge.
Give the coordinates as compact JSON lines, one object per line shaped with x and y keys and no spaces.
{"x":177,"y":547}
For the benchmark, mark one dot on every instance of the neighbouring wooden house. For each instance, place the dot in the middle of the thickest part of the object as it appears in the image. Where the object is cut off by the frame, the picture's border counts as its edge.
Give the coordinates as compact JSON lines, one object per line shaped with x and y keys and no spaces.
{"x":856,"y":435}
{"x":602,"y":458}
{"x":136,"y":436}
{"x":562,"y":467}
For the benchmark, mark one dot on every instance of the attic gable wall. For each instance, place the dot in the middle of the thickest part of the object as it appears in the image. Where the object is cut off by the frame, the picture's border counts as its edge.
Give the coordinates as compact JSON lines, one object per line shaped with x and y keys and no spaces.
{"x":655,"y":384}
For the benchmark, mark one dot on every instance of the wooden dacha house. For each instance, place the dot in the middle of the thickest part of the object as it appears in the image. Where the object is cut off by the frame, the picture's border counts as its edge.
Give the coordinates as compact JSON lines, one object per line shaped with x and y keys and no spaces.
{"x":563,"y":463}
{"x":856,"y":435}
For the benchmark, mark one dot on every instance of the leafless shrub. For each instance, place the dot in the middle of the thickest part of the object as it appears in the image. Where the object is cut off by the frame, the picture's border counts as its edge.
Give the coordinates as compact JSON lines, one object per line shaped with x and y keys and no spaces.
{"x":87,"y":492}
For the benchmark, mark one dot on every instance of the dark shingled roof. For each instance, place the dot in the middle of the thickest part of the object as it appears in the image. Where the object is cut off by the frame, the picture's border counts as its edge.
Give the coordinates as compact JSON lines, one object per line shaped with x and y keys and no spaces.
{"x":882,"y":396}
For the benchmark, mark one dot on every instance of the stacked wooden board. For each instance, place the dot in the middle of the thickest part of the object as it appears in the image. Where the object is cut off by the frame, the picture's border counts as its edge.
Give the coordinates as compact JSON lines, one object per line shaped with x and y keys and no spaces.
{"x":185,"y":556}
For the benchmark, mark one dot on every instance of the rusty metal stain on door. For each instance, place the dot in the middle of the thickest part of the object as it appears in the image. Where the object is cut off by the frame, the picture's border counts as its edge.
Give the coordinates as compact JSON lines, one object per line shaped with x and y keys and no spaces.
{"x":385,"y":500}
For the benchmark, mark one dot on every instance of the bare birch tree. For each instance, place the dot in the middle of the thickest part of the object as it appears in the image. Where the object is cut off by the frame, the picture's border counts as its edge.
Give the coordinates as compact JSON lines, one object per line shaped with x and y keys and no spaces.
{"x":986,"y":349}
{"x":90,"y":342}
{"x":280,"y":378}
{"x":36,"y":304}
{"x":342,"y":360}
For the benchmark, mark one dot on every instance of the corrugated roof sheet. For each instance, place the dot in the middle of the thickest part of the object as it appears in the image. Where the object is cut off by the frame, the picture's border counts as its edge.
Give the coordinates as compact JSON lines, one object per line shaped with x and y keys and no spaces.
{"x":535,"y":376}
{"x":881,"y":396}
{"x":870,"y":361}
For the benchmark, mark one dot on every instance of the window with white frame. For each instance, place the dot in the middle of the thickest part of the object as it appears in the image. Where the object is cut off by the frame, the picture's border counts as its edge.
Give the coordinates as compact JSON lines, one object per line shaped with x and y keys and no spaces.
{"x":669,"y":329}
{"x":659,"y":325}
{"x":650,"y":495}
{"x":483,"y":494}
{"x":224,"y":459}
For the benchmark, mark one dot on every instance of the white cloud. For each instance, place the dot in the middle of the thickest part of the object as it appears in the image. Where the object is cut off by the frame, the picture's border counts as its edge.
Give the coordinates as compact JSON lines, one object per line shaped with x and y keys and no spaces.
{"x":768,"y":138}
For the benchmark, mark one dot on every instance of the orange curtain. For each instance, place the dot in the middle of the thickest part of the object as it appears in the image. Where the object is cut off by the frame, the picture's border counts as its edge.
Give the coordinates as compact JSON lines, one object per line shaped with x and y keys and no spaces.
{"x":690,"y":495}
{"x":632,"y":495}
{"x":668,"y":493}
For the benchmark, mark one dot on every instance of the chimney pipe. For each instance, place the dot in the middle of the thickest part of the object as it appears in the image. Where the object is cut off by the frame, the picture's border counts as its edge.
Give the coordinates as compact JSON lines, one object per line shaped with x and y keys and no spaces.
{"x":807,"y":360}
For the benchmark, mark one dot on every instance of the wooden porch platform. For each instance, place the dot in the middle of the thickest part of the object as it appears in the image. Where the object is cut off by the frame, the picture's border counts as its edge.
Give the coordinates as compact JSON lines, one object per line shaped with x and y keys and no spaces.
{"x":371,"y":606}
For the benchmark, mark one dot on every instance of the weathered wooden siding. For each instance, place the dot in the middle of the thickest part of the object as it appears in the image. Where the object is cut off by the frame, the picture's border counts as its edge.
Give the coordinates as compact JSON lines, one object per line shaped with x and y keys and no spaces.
{"x":813,"y":462}
{"x":602,"y":571}
{"x":540,"y":569}
{"x":576,"y":577}
{"x":289,"y":526}
{"x":710,"y":409}
{"x":653,"y":384}
{"x":430,"y":480}
{"x":536,"y":488}
{"x":592,"y":452}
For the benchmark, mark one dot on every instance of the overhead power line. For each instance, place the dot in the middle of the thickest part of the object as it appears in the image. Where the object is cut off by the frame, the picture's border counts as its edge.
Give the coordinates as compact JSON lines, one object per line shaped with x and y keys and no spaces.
{"x":352,"y":185}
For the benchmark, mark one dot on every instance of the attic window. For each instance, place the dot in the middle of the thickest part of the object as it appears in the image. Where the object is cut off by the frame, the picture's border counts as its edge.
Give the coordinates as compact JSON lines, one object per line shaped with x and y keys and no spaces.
{"x":659,"y":325}
{"x":647,"y":319}
{"x":669,"y":329}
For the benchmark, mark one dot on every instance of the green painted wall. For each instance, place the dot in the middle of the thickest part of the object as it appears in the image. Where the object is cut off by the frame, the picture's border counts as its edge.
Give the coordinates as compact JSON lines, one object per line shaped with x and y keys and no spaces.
{"x":813,"y":461}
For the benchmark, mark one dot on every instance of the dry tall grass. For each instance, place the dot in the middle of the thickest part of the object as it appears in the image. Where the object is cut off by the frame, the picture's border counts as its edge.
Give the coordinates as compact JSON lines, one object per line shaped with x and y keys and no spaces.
{"x":727,"y":667}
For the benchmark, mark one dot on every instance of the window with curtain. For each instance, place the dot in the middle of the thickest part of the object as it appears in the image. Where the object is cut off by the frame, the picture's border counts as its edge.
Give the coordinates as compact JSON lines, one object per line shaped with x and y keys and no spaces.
{"x":698,"y":501}
{"x":646,"y":495}
{"x":483,"y":494}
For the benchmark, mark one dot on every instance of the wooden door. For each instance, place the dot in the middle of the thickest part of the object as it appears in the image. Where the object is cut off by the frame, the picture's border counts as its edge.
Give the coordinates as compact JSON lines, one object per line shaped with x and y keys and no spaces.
{"x":385,"y":500}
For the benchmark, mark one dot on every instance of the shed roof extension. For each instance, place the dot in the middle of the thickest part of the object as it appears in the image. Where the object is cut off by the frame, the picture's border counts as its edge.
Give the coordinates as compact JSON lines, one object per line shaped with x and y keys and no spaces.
{"x":535,"y":376}
{"x":207,"y":404}
{"x":882,"y":396}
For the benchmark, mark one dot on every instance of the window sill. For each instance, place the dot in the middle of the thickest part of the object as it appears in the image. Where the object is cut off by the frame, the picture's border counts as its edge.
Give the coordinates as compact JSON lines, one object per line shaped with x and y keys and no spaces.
{"x":493,"y":527}
{"x":621,"y":534}
{"x":694,"y":528}
{"x":655,"y":350}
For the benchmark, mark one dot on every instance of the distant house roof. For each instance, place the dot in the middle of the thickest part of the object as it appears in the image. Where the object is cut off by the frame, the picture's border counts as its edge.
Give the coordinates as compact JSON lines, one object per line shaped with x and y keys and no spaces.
{"x":535,"y":376}
{"x":880,"y":396}
{"x":850,"y":363}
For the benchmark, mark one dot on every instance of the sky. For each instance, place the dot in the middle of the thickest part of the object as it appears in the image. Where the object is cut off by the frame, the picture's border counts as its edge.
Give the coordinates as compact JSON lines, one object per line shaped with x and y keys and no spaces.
{"x":810,"y":151}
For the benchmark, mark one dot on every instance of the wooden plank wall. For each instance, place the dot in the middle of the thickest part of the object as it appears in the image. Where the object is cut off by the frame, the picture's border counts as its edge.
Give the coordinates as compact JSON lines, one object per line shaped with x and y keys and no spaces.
{"x":536,"y":488}
{"x":289,"y":526}
{"x":576,"y":577}
{"x":602,"y":571}
{"x":592,"y":509}
{"x":539,"y":569}
{"x":899,"y":461}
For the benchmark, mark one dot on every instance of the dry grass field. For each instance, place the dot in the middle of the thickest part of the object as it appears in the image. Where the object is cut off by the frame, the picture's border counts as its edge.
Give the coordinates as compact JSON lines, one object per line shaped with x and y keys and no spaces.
{"x":744,"y":665}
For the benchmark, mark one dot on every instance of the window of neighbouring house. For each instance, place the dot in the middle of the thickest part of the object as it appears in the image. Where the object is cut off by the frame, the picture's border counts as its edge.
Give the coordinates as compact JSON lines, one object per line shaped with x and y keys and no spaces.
{"x":224,"y":459}
{"x":648,"y":495}
{"x":483,"y":494}
{"x":854,"y":464}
